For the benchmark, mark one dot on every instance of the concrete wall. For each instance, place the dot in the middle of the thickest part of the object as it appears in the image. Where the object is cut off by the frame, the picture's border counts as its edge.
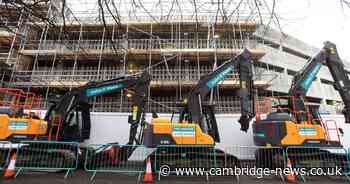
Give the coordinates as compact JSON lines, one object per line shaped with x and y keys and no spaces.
{"x":288,"y":41}
{"x":113,"y":127}
{"x":295,"y":63}
{"x":288,"y":61}
{"x":285,"y":40}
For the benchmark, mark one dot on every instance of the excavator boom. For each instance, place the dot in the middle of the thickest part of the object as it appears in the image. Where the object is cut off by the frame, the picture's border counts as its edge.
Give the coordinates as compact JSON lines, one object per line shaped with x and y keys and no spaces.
{"x":340,"y":76}
{"x":243,"y":64}
{"x":73,"y":109}
{"x":303,"y":80}
{"x":197,"y":123}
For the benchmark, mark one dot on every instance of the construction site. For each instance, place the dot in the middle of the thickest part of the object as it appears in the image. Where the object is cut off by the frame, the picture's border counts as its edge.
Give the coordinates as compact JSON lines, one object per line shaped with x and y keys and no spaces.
{"x":180,"y":68}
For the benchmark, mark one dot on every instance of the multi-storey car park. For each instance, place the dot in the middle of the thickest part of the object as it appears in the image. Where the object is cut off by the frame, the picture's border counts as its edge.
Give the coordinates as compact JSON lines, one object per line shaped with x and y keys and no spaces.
{"x":55,"y":49}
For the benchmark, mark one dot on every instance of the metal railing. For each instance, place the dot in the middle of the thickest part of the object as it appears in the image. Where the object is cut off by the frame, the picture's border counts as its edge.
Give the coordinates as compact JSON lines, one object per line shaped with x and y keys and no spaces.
{"x":76,"y":45}
{"x":47,"y":155}
{"x":226,"y":104}
{"x":310,"y":161}
{"x":168,"y":158}
{"x":116,"y":158}
{"x":106,"y":74}
{"x":92,"y":74}
{"x":167,"y":104}
{"x":304,"y":162}
{"x":5,"y":151}
{"x":242,"y":159}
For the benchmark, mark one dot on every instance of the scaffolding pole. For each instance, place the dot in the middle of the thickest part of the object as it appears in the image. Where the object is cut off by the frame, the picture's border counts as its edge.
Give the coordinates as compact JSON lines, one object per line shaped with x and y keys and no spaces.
{"x":150,"y":46}
{"x":42,"y":36}
{"x":14,"y":37}
{"x":76,"y":51}
{"x":99,"y":64}
{"x":125,"y":46}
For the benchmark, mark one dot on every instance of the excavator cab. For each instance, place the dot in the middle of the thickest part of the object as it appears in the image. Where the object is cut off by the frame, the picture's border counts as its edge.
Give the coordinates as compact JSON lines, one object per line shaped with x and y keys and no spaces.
{"x":180,"y":129}
{"x":286,"y":126}
{"x":69,"y":117}
{"x":209,"y":119}
{"x":162,"y":131}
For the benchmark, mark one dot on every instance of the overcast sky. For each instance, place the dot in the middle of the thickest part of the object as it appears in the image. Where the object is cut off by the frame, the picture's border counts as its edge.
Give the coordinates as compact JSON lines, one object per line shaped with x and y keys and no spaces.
{"x":315,"y":21}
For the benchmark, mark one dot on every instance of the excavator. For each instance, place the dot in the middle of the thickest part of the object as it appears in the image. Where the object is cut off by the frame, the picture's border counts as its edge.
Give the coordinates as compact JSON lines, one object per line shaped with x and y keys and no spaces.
{"x":192,"y":132}
{"x":296,"y":128}
{"x":294,"y":123}
{"x":196,"y":126}
{"x":197,"y":123}
{"x":15,"y":123}
{"x":68,"y":118}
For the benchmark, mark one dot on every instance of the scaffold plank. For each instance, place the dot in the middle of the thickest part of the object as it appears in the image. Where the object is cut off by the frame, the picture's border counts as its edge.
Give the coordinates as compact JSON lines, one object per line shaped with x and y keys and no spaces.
{"x":256,"y":53}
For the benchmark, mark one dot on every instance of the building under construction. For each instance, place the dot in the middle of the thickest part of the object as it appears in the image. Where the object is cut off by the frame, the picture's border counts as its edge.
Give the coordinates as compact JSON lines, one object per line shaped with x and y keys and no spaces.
{"x":50,"y":47}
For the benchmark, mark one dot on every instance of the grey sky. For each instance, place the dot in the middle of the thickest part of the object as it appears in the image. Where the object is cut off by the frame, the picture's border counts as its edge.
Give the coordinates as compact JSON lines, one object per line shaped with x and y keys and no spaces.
{"x":315,"y":21}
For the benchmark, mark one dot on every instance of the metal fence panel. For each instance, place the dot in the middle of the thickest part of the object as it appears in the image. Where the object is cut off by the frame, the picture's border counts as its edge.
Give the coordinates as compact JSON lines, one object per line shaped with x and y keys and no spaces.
{"x":245,"y":158}
{"x":116,"y":158}
{"x":5,"y":151}
{"x":169,"y":158}
{"x":310,"y":161}
{"x":47,"y":156}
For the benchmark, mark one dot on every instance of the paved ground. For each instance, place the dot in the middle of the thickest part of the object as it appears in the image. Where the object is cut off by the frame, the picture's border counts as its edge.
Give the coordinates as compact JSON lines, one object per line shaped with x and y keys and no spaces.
{"x":80,"y":177}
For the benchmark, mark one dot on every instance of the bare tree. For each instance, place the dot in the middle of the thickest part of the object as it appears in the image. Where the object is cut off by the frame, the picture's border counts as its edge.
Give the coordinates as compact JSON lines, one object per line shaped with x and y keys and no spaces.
{"x":345,"y":3}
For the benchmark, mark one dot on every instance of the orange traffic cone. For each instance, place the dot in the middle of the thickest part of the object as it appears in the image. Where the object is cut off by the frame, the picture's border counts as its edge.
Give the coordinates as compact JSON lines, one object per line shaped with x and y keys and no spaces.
{"x":290,"y":176}
{"x":148,"y":177}
{"x":10,"y":170}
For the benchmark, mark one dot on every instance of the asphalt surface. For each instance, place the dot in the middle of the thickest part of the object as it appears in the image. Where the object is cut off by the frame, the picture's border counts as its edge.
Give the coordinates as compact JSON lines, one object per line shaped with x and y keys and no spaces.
{"x":80,"y":177}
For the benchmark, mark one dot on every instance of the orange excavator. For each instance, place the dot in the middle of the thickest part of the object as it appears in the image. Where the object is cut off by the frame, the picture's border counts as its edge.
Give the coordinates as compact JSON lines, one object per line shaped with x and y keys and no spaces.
{"x":17,"y":120}
{"x":294,"y":123}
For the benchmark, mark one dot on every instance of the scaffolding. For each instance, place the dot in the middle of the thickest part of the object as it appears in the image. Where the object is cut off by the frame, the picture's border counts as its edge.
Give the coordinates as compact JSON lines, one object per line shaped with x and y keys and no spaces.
{"x":178,"y":41}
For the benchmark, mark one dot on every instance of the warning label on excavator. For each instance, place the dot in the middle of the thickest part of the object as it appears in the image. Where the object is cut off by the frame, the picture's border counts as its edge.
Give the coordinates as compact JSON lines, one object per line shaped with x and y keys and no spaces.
{"x":183,"y":131}
{"x":18,"y":125}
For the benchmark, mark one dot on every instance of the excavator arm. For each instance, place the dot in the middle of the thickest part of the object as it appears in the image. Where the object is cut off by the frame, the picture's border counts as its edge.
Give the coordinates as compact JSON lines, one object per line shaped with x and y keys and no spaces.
{"x":73,"y":108}
{"x":304,"y":78}
{"x":301,"y":84}
{"x":243,"y":64}
{"x":340,"y":77}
